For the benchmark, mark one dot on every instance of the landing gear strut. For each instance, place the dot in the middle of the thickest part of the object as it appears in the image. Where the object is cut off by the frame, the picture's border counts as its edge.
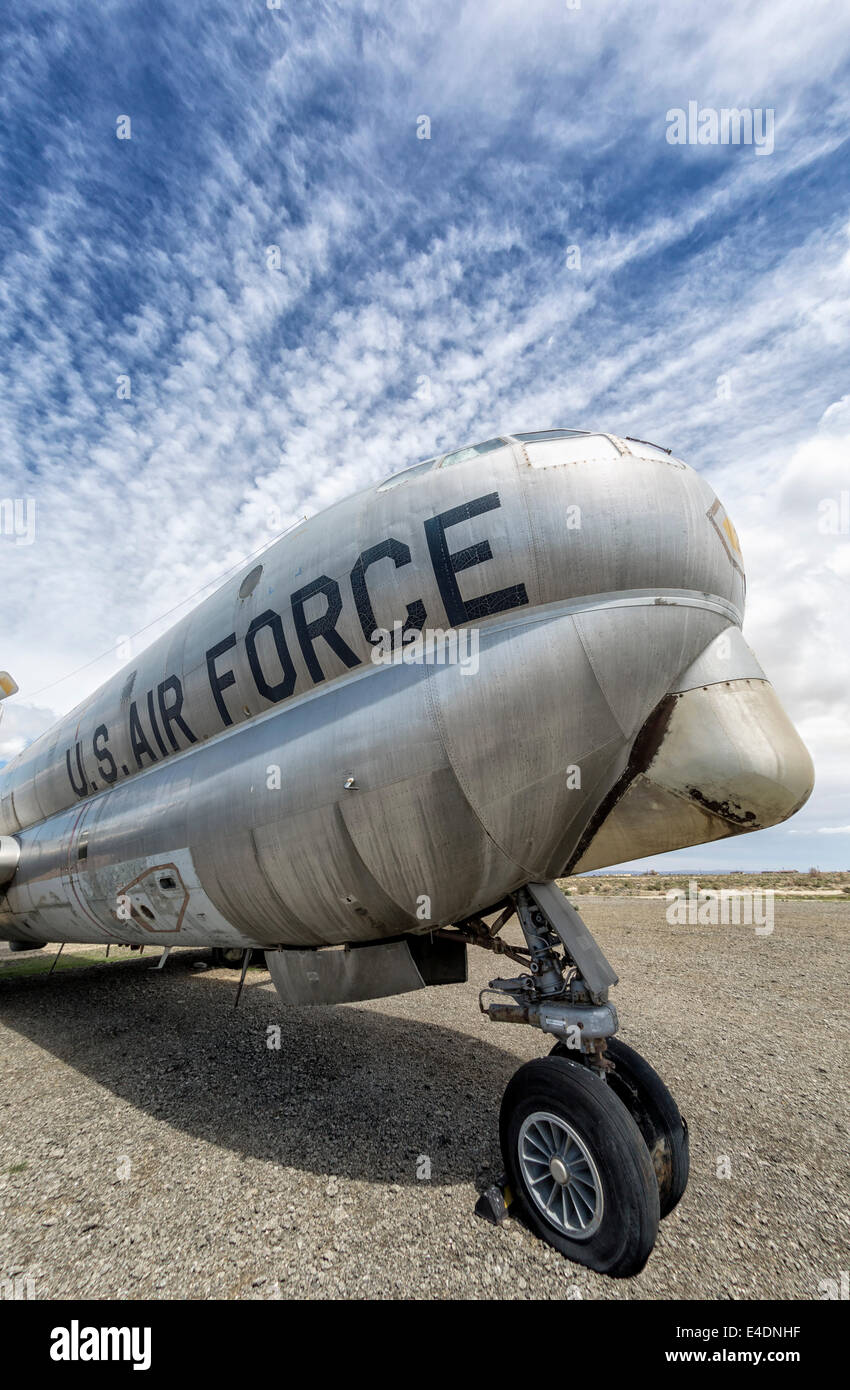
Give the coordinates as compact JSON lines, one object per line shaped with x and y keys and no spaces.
{"x":594,"y":1146}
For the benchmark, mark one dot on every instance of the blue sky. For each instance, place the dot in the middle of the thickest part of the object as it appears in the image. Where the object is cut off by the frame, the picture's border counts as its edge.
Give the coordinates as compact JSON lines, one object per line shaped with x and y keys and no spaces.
{"x":424,"y":298}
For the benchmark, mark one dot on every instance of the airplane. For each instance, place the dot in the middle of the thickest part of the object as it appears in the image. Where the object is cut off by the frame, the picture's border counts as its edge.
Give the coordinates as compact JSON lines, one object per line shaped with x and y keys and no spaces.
{"x":501,"y":666}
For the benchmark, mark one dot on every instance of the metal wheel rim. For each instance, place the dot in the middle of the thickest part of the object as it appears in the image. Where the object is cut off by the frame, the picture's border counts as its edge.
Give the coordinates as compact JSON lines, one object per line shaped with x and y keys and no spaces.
{"x":574,"y":1207}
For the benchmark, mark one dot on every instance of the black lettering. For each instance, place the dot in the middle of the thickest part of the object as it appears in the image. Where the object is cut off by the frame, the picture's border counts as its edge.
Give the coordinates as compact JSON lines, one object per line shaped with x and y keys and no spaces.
{"x":157,"y":735}
{"x":83,"y":787}
{"x":171,"y":714}
{"x":138,"y":740}
{"x":285,"y":687}
{"x":325,"y":626}
{"x":221,"y":682}
{"x":103,"y":755}
{"x":399,"y":553}
{"x":447,"y":565}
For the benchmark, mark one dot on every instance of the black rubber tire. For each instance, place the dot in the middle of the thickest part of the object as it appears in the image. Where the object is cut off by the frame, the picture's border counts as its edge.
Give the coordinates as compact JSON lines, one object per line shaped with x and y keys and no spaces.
{"x":655,"y":1113}
{"x":622,"y":1243}
{"x":229,"y":957}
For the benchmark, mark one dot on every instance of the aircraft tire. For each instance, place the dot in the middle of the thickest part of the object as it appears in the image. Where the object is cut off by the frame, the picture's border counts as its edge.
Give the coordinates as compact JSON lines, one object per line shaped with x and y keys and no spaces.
{"x":230,"y":957}
{"x":655,"y":1113}
{"x":564,"y":1132}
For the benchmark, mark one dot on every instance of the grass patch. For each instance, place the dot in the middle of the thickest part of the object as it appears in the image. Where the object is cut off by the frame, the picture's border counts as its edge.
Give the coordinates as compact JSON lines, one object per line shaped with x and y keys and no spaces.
{"x":42,"y":965}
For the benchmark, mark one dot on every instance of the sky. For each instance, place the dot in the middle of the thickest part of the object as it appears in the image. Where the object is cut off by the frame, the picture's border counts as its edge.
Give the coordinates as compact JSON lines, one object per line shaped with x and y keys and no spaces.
{"x":337,"y":238}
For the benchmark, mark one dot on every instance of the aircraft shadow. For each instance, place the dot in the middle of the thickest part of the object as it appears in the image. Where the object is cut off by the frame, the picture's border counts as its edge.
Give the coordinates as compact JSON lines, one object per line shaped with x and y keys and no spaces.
{"x":352,"y":1091}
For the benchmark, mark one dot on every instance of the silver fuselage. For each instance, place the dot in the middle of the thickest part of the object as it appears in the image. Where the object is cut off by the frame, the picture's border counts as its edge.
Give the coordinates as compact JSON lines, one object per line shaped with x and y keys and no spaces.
{"x":255,"y":777}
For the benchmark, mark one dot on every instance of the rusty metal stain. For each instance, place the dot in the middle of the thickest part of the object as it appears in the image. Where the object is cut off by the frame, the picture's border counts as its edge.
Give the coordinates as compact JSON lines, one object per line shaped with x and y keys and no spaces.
{"x":646,"y":745}
{"x":661,"y":1154}
{"x":735,"y":814}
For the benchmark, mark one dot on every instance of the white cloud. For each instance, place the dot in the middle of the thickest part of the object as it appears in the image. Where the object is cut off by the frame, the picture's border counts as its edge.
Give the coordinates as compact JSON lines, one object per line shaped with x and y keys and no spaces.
{"x":255,"y":390}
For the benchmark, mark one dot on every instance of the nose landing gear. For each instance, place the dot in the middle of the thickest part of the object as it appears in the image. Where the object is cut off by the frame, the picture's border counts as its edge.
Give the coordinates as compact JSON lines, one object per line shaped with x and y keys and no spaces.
{"x":594,"y":1147}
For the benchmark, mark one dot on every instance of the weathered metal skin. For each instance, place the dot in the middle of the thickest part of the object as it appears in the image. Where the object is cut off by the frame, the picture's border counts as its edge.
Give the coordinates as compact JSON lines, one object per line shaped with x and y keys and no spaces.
{"x":10,"y":853}
{"x":283,"y":789}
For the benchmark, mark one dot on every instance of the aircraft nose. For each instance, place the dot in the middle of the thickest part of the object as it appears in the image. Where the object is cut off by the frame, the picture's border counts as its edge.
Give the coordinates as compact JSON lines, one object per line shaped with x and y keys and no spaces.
{"x":731,"y":751}
{"x":738,"y":754}
{"x":718,"y":757}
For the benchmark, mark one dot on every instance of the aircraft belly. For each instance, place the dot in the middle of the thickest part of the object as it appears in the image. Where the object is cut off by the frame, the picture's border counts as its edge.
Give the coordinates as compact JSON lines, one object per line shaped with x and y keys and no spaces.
{"x":561,"y":708}
{"x":149,"y":900}
{"x":420,"y":839}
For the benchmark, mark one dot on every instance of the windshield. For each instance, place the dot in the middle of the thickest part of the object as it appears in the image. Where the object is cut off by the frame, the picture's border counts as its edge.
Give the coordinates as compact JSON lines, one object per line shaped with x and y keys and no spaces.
{"x":461,"y":455}
{"x":395,"y":478}
{"x":536,"y":435}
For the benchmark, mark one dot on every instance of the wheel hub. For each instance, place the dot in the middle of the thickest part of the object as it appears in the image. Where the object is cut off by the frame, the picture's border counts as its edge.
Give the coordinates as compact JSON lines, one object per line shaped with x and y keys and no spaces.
{"x":559,"y":1170}
{"x":560,"y":1175}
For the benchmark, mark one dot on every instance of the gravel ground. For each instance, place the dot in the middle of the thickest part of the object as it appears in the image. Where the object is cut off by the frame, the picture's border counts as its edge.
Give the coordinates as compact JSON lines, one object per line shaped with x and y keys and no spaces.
{"x":152,"y":1144}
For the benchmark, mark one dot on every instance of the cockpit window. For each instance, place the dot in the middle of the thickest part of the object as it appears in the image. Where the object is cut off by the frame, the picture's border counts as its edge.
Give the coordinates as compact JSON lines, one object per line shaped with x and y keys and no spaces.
{"x":402,"y":476}
{"x":461,"y":455}
{"x":535,"y":435}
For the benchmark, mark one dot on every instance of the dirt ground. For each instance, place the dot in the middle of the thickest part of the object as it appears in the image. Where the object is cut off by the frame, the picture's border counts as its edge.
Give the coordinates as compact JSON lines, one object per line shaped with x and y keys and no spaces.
{"x":152,"y":1143}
